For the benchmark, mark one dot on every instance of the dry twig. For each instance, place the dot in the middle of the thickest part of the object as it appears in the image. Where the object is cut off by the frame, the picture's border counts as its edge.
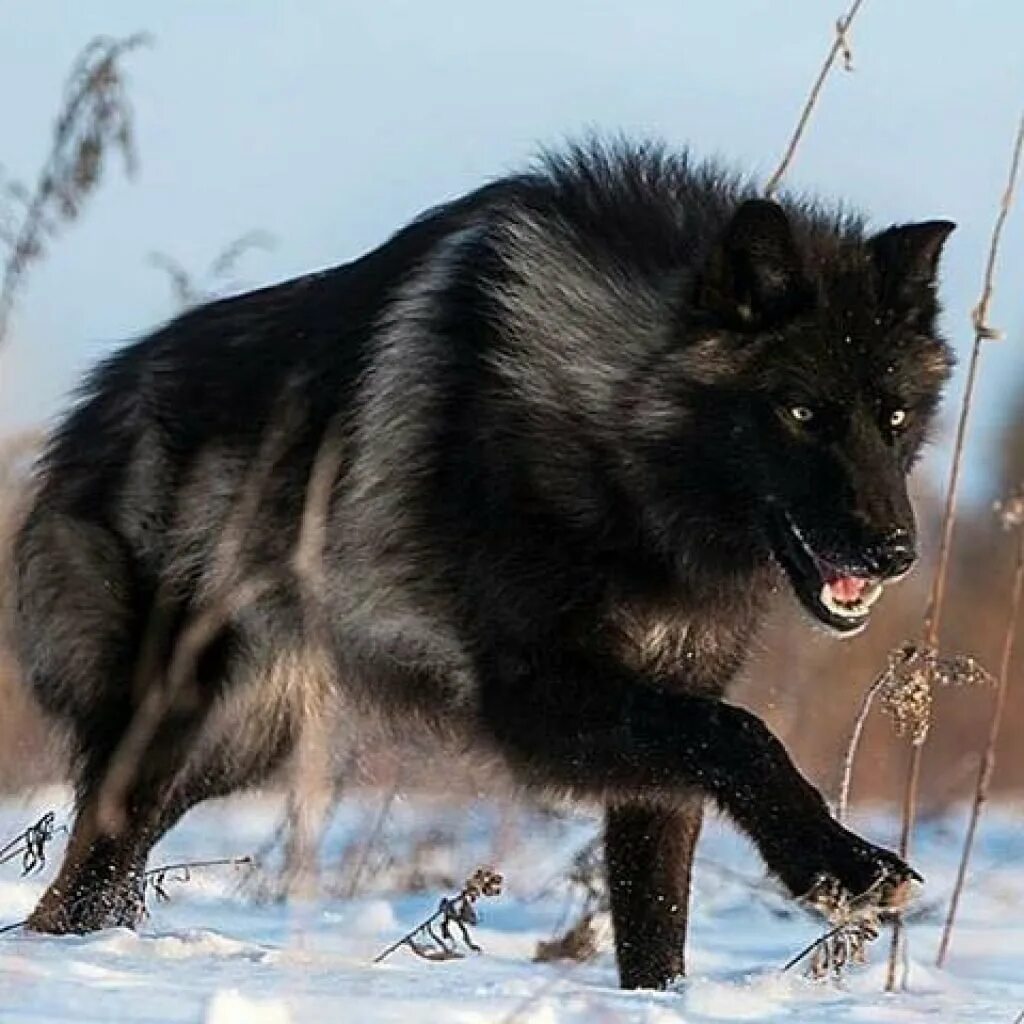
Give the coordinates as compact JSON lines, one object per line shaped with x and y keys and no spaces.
{"x":905,"y":688}
{"x":163,"y":683}
{"x":156,"y":879}
{"x":95,"y":117}
{"x":188,"y":290}
{"x":434,"y":939}
{"x":30,"y":844}
{"x":1012,"y":514}
{"x":936,"y":604}
{"x":840,"y":47}
{"x":369,"y":842}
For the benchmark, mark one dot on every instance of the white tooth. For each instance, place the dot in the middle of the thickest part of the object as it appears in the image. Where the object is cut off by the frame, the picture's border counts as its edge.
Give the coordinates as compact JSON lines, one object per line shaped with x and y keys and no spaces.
{"x":857,"y":611}
{"x":871,"y":594}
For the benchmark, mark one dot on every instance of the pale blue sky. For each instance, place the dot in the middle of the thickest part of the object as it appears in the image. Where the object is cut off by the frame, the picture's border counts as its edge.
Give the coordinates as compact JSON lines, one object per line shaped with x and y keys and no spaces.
{"x":330,"y":123}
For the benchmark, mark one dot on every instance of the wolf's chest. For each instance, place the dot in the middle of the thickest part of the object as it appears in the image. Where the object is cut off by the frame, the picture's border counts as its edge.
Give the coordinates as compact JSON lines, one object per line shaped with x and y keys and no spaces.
{"x":685,"y":651}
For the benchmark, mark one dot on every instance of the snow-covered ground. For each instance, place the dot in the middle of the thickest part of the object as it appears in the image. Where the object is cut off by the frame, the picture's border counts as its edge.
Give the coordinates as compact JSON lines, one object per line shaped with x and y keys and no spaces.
{"x":216,"y":953}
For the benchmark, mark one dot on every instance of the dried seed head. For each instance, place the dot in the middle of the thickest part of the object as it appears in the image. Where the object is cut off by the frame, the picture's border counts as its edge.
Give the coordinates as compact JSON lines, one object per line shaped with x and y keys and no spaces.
{"x":95,"y":118}
{"x":906,"y":694}
{"x":907,"y":689}
{"x":962,"y":670}
{"x":483,"y":882}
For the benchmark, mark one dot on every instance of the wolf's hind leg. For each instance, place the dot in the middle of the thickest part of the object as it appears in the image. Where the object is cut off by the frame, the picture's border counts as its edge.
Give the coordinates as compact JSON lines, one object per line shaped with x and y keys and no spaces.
{"x":649,"y":855}
{"x":100,"y":883}
{"x":134,"y":782}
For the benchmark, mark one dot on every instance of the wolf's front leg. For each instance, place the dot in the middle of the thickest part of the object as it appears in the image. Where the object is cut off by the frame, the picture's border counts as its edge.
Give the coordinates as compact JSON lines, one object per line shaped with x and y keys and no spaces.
{"x":566,"y":720}
{"x":649,"y":855}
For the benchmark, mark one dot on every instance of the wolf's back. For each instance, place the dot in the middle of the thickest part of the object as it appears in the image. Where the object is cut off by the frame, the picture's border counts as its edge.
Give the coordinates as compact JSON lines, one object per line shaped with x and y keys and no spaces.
{"x":136,"y":487}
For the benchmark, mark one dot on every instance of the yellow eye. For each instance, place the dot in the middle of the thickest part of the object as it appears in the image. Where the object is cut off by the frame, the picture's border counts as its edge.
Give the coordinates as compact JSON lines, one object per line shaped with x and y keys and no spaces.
{"x":898,"y":417}
{"x":801,"y":413}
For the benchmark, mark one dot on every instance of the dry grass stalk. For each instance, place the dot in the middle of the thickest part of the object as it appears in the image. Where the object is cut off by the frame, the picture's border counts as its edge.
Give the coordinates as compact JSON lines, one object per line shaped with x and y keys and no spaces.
{"x":371,"y":838}
{"x":933,"y":617}
{"x":163,"y":696}
{"x":983,"y":331}
{"x":30,"y":844}
{"x":165,"y":683}
{"x":1012,"y":515}
{"x":434,"y":938}
{"x":162,"y":687}
{"x":310,"y":789}
{"x":840,"y":47}
{"x":94,"y":118}
{"x":905,"y":689}
{"x":156,"y":879}
{"x":310,"y":797}
{"x":188,"y":290}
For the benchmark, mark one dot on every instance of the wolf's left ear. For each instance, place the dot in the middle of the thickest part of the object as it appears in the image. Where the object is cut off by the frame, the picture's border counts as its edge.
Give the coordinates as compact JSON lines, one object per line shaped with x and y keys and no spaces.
{"x":754,"y":276}
{"x":906,"y":258}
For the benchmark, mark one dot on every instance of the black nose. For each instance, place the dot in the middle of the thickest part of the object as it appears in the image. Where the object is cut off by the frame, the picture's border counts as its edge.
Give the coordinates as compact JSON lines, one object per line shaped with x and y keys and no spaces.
{"x":894,"y":553}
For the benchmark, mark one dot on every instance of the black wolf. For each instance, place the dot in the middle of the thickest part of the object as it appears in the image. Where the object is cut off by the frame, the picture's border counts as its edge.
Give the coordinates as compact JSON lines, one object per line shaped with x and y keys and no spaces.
{"x":569,"y":434}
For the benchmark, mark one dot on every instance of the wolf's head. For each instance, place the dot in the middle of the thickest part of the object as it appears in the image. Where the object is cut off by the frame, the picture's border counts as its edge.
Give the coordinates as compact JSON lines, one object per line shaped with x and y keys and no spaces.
{"x":819,"y":370}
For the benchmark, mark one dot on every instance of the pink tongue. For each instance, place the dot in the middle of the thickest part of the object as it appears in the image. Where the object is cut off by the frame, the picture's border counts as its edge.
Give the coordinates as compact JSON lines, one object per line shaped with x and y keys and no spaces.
{"x":847,"y":588}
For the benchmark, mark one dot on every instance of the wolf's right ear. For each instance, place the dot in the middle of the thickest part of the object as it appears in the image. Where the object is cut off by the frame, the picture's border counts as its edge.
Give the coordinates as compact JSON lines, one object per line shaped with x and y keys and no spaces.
{"x":754,"y":276}
{"x":906,"y":257}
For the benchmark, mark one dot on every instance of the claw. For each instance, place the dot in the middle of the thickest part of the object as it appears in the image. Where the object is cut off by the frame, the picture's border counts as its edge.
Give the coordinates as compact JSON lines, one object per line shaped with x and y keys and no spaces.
{"x":895,"y":895}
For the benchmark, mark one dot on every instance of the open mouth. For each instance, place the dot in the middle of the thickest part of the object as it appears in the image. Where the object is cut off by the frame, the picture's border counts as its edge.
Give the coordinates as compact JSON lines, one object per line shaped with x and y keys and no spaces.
{"x":837,"y":595}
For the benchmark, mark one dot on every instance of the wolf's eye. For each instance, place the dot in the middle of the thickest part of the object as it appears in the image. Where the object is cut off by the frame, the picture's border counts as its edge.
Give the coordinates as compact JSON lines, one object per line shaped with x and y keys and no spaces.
{"x":801,"y":413}
{"x":897,"y":418}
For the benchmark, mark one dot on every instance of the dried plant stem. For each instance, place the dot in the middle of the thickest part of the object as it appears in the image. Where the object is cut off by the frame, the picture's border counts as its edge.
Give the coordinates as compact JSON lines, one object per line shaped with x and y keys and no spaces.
{"x":433,"y":938}
{"x":30,"y":844}
{"x":94,"y":116}
{"x":189,"y":865}
{"x":371,"y":839}
{"x":820,"y":941}
{"x":157,"y":878}
{"x":840,"y":45}
{"x":933,"y":616}
{"x":165,"y":683}
{"x":988,"y":760}
{"x":160,"y":701}
{"x":982,"y":333}
{"x":851,"y":750}
{"x":907,"y":820}
{"x":310,"y":795}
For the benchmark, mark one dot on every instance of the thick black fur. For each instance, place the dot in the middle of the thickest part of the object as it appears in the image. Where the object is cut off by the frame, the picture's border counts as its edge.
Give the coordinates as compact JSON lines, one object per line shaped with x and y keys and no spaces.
{"x":565,"y":419}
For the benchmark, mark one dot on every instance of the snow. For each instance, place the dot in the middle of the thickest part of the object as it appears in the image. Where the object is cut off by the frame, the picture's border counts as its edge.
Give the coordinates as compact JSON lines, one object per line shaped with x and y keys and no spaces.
{"x":220,"y":952}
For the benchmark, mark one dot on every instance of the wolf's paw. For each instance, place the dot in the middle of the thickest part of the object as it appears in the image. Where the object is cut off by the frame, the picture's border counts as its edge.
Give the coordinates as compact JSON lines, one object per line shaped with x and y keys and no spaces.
{"x":88,"y":911}
{"x":854,"y":876}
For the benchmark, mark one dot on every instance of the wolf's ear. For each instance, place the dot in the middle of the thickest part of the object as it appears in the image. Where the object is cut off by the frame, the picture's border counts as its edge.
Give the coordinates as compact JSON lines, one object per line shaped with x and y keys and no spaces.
{"x":906,"y":258}
{"x":754,"y":276}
